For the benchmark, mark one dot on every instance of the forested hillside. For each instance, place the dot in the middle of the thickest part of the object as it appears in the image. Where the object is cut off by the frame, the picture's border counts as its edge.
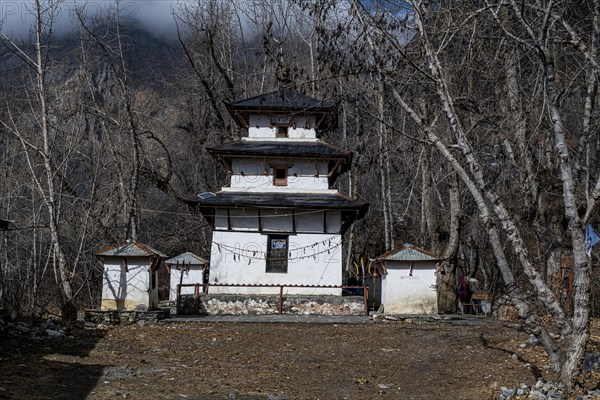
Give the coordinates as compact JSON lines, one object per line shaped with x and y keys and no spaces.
{"x":474,"y":127}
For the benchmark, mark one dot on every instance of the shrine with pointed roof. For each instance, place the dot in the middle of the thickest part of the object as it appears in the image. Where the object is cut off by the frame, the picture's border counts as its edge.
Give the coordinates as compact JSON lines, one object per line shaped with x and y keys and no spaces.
{"x":407,"y":280}
{"x":130,"y":272}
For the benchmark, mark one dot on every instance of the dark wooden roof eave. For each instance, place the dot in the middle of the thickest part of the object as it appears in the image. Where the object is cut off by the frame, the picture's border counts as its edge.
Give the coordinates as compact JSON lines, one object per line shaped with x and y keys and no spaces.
{"x":279,"y":200}
{"x":287,"y":99}
{"x":238,"y":118}
{"x":326,"y":117}
{"x":349,"y":215}
{"x":352,"y":209}
{"x":271,"y":148}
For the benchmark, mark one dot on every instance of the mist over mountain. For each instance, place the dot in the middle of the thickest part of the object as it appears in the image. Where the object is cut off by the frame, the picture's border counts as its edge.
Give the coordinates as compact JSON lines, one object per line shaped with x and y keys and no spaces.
{"x":149,"y":58}
{"x":18,"y":17}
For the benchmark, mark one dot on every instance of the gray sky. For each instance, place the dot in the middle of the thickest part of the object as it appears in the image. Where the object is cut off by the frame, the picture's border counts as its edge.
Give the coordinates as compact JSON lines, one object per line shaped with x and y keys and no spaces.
{"x":16,"y":16}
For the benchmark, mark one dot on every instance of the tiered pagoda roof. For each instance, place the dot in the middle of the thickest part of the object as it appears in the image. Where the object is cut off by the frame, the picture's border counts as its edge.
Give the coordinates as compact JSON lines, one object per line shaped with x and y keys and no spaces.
{"x":283,"y":149}
{"x":284,"y":101}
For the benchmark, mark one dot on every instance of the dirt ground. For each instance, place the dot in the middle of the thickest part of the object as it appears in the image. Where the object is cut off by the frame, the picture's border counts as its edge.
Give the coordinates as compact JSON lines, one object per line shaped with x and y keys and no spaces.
{"x":200,"y":360}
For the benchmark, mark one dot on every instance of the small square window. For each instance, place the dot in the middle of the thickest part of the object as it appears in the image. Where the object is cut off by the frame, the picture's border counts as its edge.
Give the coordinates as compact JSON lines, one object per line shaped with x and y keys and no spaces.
{"x":282,"y":132}
{"x":277,"y":254}
{"x":280,"y":176}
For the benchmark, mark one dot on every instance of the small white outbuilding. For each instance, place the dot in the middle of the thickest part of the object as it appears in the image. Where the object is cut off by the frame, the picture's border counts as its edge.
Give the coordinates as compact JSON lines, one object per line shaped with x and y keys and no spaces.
{"x":130,"y":276}
{"x":186,"y":268}
{"x":408,"y":283}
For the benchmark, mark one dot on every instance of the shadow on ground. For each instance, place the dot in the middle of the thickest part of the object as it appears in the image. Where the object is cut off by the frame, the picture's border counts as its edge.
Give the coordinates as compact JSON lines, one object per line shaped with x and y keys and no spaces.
{"x":48,"y":367}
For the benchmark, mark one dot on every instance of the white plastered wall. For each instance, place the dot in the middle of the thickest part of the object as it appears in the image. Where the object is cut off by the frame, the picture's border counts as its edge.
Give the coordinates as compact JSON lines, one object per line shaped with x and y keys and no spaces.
{"x":192,"y":276}
{"x":314,"y":259}
{"x":251,"y":173}
{"x":263,"y":126}
{"x":126,"y":283}
{"x":402,"y":293}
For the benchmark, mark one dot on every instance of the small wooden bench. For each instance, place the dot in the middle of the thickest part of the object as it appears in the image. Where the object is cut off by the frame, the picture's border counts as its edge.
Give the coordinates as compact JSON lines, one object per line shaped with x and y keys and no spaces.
{"x":476,"y":303}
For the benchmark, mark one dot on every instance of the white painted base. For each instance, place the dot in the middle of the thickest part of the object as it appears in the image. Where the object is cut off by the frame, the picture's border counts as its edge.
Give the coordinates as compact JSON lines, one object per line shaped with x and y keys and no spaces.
{"x":233,"y":261}
{"x":402,"y":293}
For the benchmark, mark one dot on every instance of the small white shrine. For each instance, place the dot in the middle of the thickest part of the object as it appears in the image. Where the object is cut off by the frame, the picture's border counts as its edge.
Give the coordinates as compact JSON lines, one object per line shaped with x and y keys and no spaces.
{"x":280,"y":222}
{"x":185,"y":269}
{"x":130,"y":276}
{"x":408,"y":281}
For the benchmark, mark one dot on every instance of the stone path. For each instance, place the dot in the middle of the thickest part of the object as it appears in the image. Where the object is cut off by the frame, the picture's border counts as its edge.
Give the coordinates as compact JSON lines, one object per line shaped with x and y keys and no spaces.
{"x":274,"y":318}
{"x":323,"y":319}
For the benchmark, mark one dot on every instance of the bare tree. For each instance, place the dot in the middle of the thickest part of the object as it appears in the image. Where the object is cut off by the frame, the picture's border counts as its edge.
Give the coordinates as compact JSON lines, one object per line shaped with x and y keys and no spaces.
{"x":426,"y":54}
{"x":39,"y":139}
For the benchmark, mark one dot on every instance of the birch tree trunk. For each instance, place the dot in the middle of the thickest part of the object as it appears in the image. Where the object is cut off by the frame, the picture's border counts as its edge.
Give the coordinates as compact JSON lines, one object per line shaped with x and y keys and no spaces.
{"x":540,"y":38}
{"x":68,"y":311}
{"x":579,"y":334}
{"x":387,"y":223}
{"x":446,"y":273}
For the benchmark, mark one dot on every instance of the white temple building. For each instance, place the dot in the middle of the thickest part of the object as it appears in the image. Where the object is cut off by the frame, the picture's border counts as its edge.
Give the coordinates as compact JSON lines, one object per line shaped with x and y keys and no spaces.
{"x":280,"y":222}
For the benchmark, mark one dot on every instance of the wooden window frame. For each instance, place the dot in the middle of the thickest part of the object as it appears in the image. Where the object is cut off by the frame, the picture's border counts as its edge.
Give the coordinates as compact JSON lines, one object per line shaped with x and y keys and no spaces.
{"x":282,"y":131}
{"x":280,"y":181}
{"x":277,"y":259}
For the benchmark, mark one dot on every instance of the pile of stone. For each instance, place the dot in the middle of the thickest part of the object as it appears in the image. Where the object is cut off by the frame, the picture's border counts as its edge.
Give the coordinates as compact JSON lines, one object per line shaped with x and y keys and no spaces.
{"x":504,"y":310}
{"x":50,"y":328}
{"x":548,"y":390}
{"x":591,"y":362}
{"x":123,"y":317}
{"x":234,"y":305}
{"x":316,"y":308}
{"x":229,"y":304}
{"x":591,"y":395}
{"x":542,"y":390}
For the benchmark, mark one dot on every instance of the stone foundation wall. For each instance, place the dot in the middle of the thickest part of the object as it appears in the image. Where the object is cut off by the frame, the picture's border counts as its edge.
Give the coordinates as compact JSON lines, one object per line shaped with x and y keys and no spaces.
{"x":116,"y":317}
{"x":216,"y":304}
